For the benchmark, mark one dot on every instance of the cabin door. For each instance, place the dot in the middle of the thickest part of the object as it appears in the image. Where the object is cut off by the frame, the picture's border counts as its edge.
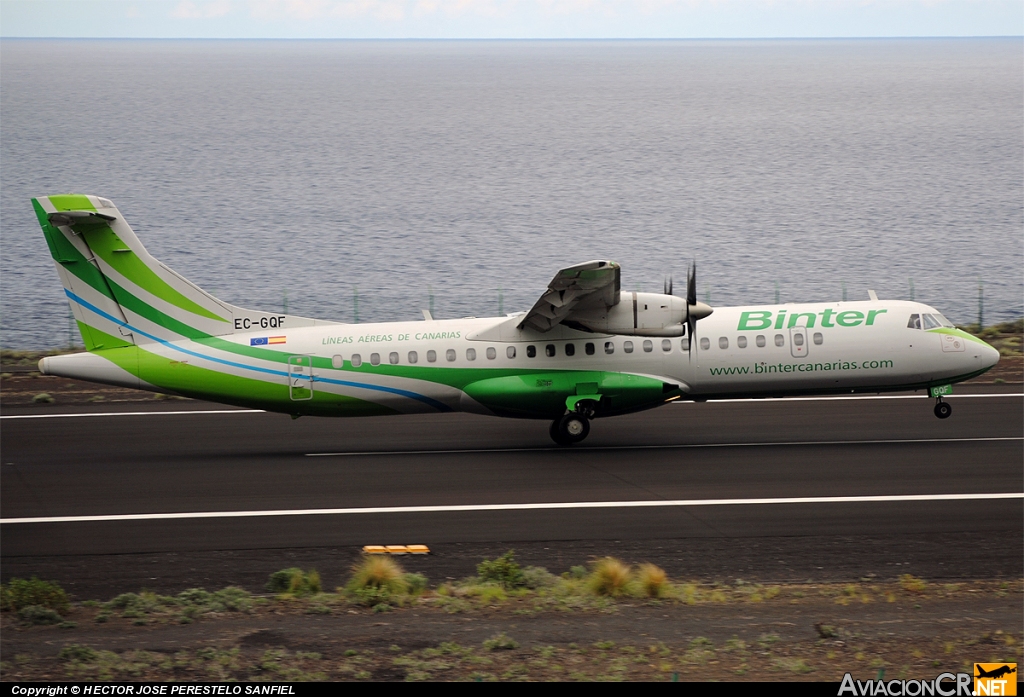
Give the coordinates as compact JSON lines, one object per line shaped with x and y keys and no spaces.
{"x":300,"y":378}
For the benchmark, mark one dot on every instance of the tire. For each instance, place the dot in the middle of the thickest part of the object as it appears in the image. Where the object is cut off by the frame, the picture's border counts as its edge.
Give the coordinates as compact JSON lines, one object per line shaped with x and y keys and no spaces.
{"x":943,"y":410}
{"x":556,"y":433}
{"x":573,"y":428}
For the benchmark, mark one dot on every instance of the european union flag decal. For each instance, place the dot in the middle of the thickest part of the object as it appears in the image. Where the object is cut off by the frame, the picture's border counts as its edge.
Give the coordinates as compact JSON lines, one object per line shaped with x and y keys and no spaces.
{"x":259,"y":341}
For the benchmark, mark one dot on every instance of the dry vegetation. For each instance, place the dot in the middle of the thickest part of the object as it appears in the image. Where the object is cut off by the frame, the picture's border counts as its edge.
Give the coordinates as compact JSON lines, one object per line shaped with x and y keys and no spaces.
{"x":501,"y":591}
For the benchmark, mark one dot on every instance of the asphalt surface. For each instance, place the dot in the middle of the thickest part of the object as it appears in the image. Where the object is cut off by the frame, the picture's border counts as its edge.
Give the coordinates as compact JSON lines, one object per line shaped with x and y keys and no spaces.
{"x":244,"y":461}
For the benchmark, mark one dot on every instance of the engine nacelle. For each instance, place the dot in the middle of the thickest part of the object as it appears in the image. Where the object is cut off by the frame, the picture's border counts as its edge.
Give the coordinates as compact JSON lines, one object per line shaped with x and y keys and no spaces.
{"x":638,"y":314}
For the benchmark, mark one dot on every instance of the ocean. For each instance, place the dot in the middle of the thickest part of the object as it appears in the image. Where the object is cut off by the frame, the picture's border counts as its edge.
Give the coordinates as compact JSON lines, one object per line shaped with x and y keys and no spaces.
{"x":371,"y":179}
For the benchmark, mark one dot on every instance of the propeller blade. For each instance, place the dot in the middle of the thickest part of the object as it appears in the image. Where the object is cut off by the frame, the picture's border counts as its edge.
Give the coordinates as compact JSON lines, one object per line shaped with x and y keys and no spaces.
{"x":691,"y":300}
{"x":691,"y":285}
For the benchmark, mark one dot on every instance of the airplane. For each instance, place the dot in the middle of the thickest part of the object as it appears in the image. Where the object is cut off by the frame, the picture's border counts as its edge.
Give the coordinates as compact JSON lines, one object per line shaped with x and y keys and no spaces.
{"x":995,"y":672}
{"x":586,"y":349}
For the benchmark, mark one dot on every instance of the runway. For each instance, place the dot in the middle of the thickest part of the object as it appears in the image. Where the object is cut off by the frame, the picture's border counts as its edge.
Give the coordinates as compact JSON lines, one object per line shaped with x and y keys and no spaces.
{"x":842,"y":467}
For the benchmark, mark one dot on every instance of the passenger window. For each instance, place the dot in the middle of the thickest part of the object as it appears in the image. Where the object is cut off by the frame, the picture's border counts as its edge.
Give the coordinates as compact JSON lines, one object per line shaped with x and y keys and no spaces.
{"x":627,"y":346}
{"x":780,"y":340}
{"x":684,"y":343}
{"x":705,"y":343}
{"x":450,"y":355}
{"x":930,"y":322}
{"x":431,"y":356}
{"x":531,"y":351}
{"x":470,"y":354}
{"x":915,"y":322}
{"x":589,"y":348}
{"x":759,"y":340}
{"x":393,"y":358}
{"x":491,"y":353}
{"x":666,"y":345}
{"x":570,"y":349}
{"x":510,"y":352}
{"x":549,"y":350}
{"x":338,"y":362}
{"x":356,"y":360}
{"x":609,"y":347}
{"x":648,"y":345}
{"x":374,"y":359}
{"x":741,"y":341}
{"x":798,"y":339}
{"x":413,"y":357}
{"x":723,"y":342}
{"x":818,"y":339}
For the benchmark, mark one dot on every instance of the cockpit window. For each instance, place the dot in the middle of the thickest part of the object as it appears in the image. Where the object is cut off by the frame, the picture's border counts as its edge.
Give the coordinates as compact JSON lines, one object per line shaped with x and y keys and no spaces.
{"x":915,"y":322}
{"x":943,"y":321}
{"x":930,"y":322}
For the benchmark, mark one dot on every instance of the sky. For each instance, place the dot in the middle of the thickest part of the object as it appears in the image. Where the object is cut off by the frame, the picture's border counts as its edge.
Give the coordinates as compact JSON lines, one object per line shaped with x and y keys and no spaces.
{"x":508,"y":19}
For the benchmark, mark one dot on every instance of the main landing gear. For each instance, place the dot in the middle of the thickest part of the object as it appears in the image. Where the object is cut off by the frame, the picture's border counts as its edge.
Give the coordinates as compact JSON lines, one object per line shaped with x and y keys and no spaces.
{"x":573,"y":427}
{"x":942,"y":409}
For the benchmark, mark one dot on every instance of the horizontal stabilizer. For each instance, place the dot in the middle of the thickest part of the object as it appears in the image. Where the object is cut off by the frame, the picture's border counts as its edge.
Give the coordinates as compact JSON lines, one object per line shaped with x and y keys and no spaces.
{"x":79,"y":217}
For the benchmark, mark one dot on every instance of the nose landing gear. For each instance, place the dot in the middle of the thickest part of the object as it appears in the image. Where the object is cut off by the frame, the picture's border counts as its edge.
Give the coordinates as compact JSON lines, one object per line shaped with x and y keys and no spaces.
{"x":942,"y":409}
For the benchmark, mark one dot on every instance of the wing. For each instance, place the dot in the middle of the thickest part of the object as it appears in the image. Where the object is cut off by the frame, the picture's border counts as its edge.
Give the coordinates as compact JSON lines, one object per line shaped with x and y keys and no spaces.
{"x":585,"y":286}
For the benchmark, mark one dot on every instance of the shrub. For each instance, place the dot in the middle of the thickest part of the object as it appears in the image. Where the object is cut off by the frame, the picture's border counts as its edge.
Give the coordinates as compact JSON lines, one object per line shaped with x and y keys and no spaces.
{"x":43,"y":398}
{"x":19,"y":593}
{"x":37,"y":614}
{"x":371,"y":596}
{"x":652,"y":580}
{"x":77,"y":652}
{"x":294,"y":581}
{"x":535,"y":577}
{"x":504,"y":571}
{"x":376,"y":580}
{"x":609,"y":577}
{"x":416,"y":583}
{"x":912,"y":584}
{"x":501,"y":642}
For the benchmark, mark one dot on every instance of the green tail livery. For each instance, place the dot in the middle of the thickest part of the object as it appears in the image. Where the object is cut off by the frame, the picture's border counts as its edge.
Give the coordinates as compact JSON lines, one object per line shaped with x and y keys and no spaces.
{"x":586,"y":349}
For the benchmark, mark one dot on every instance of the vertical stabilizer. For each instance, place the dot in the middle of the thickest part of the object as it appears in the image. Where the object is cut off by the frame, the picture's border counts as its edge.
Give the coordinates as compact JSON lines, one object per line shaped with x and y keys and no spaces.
{"x":119,"y":293}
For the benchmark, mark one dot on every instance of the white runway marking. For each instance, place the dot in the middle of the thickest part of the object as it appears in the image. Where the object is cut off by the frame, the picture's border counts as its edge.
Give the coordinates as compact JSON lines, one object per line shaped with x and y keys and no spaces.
{"x":135,"y":413}
{"x":515,"y":507}
{"x":667,"y":446}
{"x":766,"y":400}
{"x":778,"y":400}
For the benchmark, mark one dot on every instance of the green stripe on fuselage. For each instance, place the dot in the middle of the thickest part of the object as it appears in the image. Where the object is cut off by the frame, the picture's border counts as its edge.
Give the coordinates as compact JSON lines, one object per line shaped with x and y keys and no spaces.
{"x":202,"y":383}
{"x":957,"y":332}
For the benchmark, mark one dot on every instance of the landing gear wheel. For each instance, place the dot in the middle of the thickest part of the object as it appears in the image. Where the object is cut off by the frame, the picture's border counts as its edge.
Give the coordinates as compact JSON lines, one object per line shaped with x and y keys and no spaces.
{"x":556,"y":433}
{"x":572,"y":428}
{"x":943,"y":410}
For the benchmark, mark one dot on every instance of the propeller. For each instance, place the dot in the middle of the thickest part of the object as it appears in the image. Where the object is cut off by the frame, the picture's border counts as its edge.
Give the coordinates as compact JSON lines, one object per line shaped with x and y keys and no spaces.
{"x":691,"y":300}
{"x":695,"y":310}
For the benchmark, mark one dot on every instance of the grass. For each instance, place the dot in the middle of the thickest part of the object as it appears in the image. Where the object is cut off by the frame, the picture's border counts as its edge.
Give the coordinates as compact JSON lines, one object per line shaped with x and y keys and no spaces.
{"x":652,"y":580}
{"x":610,"y":577}
{"x":502,"y":657}
{"x":294,"y":581}
{"x":912,"y":584}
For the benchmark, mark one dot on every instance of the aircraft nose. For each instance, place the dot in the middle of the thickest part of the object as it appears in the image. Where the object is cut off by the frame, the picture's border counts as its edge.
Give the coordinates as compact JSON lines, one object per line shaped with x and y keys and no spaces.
{"x":989,"y":356}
